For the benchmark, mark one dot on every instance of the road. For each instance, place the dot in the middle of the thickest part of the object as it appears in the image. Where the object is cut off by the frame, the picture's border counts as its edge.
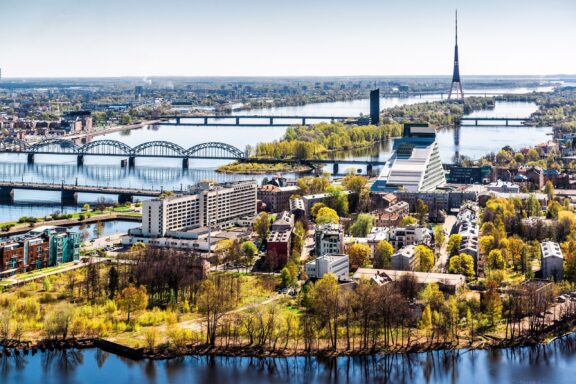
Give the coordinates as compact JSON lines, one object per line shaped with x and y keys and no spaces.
{"x":442,"y":262}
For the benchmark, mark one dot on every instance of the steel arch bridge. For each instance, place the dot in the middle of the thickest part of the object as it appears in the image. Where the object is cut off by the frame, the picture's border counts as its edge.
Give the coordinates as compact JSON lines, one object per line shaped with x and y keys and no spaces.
{"x":211,"y":150}
{"x":214,"y":150}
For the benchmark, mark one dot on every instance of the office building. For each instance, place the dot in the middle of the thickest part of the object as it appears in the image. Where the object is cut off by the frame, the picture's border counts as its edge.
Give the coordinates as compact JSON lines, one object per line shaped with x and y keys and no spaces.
{"x":415,"y":165}
{"x":375,"y":107}
{"x":335,"y":264}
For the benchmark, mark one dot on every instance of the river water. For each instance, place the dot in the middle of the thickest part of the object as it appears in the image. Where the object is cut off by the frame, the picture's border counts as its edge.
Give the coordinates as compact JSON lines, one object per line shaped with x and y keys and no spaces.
{"x":168,"y":173}
{"x":554,"y":363}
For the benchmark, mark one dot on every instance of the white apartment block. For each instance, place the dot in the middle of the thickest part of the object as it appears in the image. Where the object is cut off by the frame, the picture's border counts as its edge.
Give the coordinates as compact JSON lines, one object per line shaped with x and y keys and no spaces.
{"x":335,"y":264}
{"x":219,"y":205}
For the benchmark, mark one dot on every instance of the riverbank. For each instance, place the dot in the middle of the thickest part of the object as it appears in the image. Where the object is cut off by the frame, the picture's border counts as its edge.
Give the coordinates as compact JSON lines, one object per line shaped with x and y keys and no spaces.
{"x":16,"y":348}
{"x":111,"y":129}
{"x":15,"y":228}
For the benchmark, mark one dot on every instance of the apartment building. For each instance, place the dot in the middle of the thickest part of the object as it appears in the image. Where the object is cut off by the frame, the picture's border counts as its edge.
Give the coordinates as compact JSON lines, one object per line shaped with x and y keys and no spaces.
{"x":208,"y":204}
{"x":329,"y":239}
{"x":42,"y":247}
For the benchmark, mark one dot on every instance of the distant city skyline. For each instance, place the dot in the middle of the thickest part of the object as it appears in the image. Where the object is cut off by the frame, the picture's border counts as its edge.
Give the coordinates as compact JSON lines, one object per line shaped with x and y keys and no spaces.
{"x":73,"y":38}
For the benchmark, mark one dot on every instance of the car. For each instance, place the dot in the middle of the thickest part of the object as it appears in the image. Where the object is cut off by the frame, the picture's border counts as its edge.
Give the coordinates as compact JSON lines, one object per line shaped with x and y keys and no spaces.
{"x":561,"y":299}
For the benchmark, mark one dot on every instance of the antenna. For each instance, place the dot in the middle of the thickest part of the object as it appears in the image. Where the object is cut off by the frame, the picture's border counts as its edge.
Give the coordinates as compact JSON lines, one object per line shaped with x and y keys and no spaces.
{"x":456,"y":26}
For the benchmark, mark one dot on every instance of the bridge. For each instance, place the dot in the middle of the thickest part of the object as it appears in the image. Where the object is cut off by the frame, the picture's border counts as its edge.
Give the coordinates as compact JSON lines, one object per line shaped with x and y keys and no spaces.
{"x":495,"y":120}
{"x":240,"y":120}
{"x":156,"y":149}
{"x":70,"y":193}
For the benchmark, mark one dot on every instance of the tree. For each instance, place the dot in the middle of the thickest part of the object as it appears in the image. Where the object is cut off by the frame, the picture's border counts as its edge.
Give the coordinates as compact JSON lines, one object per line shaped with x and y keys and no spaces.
{"x":289,"y":274}
{"x":327,"y":215}
{"x":383,"y":254}
{"x":215,"y":298}
{"x":495,"y":260}
{"x":363,"y":225}
{"x":532,"y":155}
{"x":425,"y":256}
{"x":315,"y":208}
{"x":407,"y":220}
{"x":486,"y":244}
{"x":533,"y":205}
{"x":359,"y":255}
{"x":453,"y":246}
{"x":337,"y":199}
{"x":113,"y":282}
{"x":439,"y":237}
{"x":462,"y":264}
{"x":360,"y":195}
{"x":326,"y":304}
{"x":549,"y":189}
{"x":132,"y":299}
{"x":421,"y":211}
{"x":492,"y":302}
{"x":262,"y":225}
{"x":151,"y":336}
{"x":58,"y":321}
{"x":249,"y":251}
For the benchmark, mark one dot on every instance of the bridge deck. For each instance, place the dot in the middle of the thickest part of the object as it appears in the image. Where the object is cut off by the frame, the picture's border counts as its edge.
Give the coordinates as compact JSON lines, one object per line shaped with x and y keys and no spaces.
{"x":80,"y":188}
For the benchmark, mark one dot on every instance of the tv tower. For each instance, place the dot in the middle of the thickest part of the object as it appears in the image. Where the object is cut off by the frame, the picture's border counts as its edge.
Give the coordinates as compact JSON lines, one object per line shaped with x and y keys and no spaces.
{"x":456,"y":86}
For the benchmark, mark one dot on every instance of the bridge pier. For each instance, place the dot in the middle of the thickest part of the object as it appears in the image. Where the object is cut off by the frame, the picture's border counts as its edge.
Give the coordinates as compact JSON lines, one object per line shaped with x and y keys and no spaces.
{"x":185,"y":162}
{"x":30,"y":158}
{"x":271,"y":121}
{"x":369,"y":170}
{"x":178,"y":121}
{"x":476,"y":121}
{"x":303,"y":121}
{"x":125,"y":198}
{"x":132,"y":161}
{"x":80,"y":160}
{"x":237,"y":121}
{"x":507,"y":122}
{"x":335,"y":169}
{"x":205,"y":121}
{"x":7,"y":195}
{"x":69,"y":197}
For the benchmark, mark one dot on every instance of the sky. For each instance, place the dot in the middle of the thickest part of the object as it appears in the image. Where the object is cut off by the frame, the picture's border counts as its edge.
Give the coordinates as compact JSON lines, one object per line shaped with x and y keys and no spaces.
{"x":85,"y":38}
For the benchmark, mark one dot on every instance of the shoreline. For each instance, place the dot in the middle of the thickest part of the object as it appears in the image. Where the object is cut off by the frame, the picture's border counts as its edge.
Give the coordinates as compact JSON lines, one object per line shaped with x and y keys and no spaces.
{"x":17,"y":348}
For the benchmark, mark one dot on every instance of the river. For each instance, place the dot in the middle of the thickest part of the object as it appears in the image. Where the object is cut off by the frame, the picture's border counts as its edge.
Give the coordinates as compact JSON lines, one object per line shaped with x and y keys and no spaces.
{"x":168,"y":174}
{"x":553,"y":363}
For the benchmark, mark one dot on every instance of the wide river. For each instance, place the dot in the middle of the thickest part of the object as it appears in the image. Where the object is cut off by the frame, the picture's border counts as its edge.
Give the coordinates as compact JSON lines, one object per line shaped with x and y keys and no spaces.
{"x":474,"y":141}
{"x":554,"y":363}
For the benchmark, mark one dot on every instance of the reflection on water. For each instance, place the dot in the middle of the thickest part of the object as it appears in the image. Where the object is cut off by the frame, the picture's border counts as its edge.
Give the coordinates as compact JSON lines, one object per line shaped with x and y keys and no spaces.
{"x":553,"y":363}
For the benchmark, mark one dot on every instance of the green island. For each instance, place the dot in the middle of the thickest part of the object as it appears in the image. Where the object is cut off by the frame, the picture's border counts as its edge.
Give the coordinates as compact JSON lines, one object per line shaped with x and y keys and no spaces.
{"x":318,"y":140}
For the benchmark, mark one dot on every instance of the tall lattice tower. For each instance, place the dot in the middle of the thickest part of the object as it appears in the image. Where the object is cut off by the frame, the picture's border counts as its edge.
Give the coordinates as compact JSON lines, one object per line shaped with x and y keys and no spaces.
{"x":456,"y":86}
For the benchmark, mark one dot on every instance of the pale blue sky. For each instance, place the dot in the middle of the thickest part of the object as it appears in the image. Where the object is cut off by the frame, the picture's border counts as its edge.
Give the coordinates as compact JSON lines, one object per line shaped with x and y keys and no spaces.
{"x":284,"y":37}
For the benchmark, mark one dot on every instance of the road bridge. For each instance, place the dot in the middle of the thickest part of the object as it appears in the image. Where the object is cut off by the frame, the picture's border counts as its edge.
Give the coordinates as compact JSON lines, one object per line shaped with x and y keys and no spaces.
{"x":244,"y":120}
{"x":495,"y":120}
{"x":69,"y":193}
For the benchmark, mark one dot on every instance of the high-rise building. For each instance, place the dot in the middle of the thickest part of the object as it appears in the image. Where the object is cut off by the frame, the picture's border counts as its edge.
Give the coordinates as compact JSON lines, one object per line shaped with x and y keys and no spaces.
{"x":415,"y":165}
{"x":206,"y":205}
{"x":375,"y":107}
